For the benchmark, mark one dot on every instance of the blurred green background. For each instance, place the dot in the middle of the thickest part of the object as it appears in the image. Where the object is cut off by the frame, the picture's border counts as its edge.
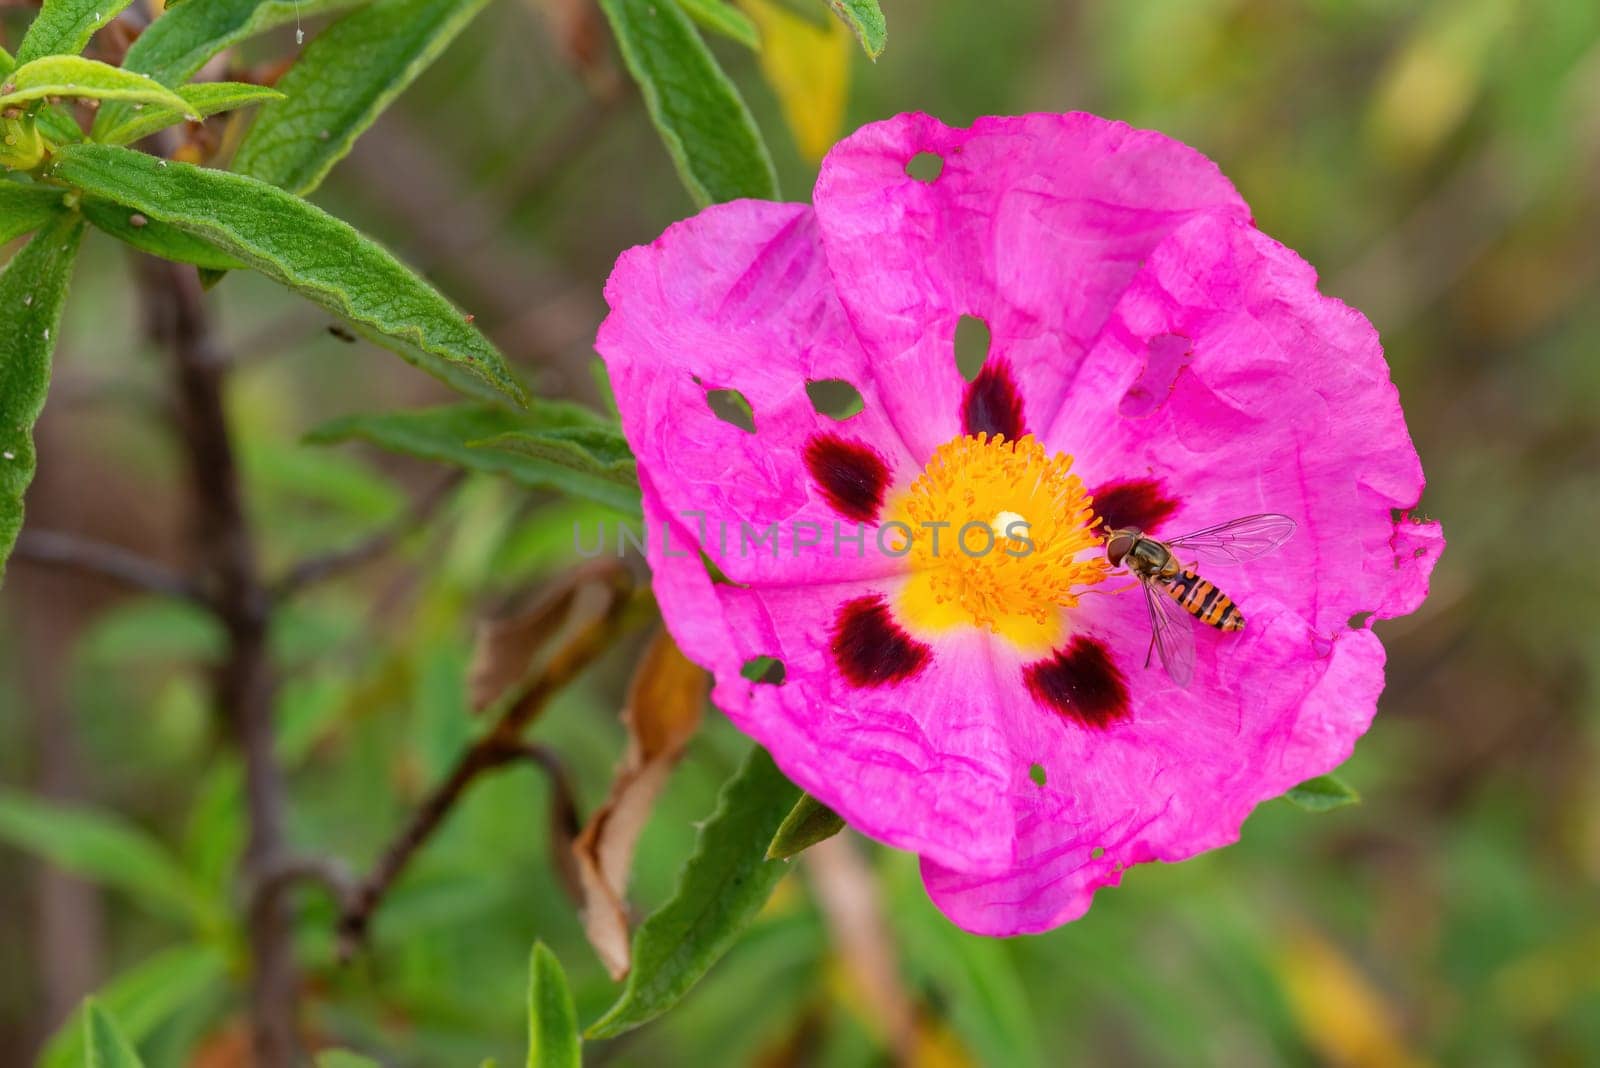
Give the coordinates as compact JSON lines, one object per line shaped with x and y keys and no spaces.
{"x":1438,"y":162}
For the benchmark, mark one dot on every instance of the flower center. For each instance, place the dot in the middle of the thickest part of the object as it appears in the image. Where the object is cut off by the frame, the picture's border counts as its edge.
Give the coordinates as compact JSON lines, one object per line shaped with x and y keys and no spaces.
{"x":1000,"y":533}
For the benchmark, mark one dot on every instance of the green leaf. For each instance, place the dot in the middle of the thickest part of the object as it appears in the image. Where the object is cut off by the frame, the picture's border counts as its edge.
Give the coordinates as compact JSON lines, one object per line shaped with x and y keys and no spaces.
{"x":720,"y":890}
{"x":156,"y":238}
{"x":33,"y":289}
{"x":105,"y":1046}
{"x":702,"y":119}
{"x":331,"y":101}
{"x":1322,"y":794}
{"x":185,"y":37}
{"x":865,"y":20}
{"x":79,"y":77}
{"x":453,"y":435}
{"x":202,"y":99}
{"x":7,"y":64}
{"x":102,"y":847}
{"x":598,"y":456}
{"x":552,"y":1019}
{"x":719,"y":16}
{"x":301,"y":247}
{"x":25,"y":208}
{"x":809,"y":822}
{"x":63,"y":27}
{"x":60,"y":127}
{"x":144,"y":998}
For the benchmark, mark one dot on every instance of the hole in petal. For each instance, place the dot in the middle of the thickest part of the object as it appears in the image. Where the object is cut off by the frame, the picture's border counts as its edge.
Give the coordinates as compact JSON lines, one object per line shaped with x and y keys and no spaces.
{"x":835,"y":398}
{"x":972,"y":346}
{"x":1097,"y":852}
{"x":1166,"y":355}
{"x":1082,"y":683}
{"x":730,"y":406}
{"x":869,"y":646}
{"x":1139,"y":503}
{"x":1036,"y":773}
{"x":925,"y":166}
{"x":1359,"y":620}
{"x":768,"y":670}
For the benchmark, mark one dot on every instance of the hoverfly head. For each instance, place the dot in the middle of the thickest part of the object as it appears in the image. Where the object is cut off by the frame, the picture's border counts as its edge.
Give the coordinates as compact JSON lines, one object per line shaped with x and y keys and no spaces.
{"x":1119,"y":543}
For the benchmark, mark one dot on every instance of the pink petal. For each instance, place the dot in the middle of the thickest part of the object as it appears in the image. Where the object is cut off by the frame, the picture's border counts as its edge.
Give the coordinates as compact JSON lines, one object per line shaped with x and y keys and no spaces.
{"x":1282,"y":402}
{"x":738,"y":297}
{"x":1284,"y":405}
{"x":1035,"y":225}
{"x":1177,"y":779}
{"x":919,"y":765}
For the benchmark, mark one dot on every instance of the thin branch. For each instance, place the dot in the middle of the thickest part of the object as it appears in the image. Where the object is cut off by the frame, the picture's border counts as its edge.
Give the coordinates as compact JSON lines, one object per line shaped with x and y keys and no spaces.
{"x":74,"y":553}
{"x":245,"y":682}
{"x":501,"y":745}
{"x":321,"y":568}
{"x":330,"y":873}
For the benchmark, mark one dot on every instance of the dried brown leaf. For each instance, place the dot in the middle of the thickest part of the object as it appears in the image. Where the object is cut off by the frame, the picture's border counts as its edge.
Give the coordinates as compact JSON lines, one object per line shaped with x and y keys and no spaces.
{"x":665,"y":703}
{"x":512,"y":650}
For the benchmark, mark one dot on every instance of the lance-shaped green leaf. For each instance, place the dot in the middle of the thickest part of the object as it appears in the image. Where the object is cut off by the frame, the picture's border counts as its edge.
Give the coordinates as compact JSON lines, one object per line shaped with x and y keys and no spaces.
{"x":185,"y":37}
{"x":104,"y":1044}
{"x":865,"y":20}
{"x":79,"y":77}
{"x":720,"y":16}
{"x":598,"y":455}
{"x":157,"y":238}
{"x":455,"y":434}
{"x":7,"y":64}
{"x":809,"y":822}
{"x":301,"y":247}
{"x":202,"y":99}
{"x":33,"y":289}
{"x":143,"y":998}
{"x":722,"y":887}
{"x":552,"y":1019}
{"x":24,"y":208}
{"x":102,"y":847}
{"x":329,"y":100}
{"x":699,"y":113}
{"x":1322,"y":794}
{"x":63,"y":27}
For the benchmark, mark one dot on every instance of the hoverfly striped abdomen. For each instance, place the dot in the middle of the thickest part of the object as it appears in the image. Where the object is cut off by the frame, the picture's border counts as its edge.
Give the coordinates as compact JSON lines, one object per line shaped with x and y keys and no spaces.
{"x":1204,"y":601}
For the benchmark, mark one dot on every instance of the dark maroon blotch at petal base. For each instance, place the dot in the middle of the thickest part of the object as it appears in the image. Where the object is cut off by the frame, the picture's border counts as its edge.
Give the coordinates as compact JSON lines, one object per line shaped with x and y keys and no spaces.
{"x":1082,"y":683}
{"x":1135,"y":503}
{"x":852,"y":476}
{"x":871,"y":649}
{"x":992,"y":404}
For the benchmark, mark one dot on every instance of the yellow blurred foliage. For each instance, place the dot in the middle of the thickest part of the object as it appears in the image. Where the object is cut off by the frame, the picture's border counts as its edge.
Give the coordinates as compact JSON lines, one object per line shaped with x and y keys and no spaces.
{"x":1343,"y":1018}
{"x":808,"y":66}
{"x":1432,"y":82}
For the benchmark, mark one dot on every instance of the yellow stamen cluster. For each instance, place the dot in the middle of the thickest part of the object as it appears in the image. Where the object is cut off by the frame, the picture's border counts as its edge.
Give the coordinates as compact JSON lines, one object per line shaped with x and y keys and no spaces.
{"x":1020,"y":585}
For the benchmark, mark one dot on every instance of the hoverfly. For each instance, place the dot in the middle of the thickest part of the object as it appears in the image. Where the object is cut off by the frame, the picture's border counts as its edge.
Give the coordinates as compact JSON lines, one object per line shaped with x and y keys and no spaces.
{"x":1173,"y":592}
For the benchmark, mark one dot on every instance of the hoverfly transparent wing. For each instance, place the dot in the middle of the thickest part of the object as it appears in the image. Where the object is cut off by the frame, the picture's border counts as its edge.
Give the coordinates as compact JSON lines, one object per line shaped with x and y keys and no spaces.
{"x":1171,"y":634}
{"x":1235,"y":541}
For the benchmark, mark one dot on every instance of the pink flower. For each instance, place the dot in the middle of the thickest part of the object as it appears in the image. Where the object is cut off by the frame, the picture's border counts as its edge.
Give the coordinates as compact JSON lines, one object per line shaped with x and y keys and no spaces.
{"x":1156,"y":361}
